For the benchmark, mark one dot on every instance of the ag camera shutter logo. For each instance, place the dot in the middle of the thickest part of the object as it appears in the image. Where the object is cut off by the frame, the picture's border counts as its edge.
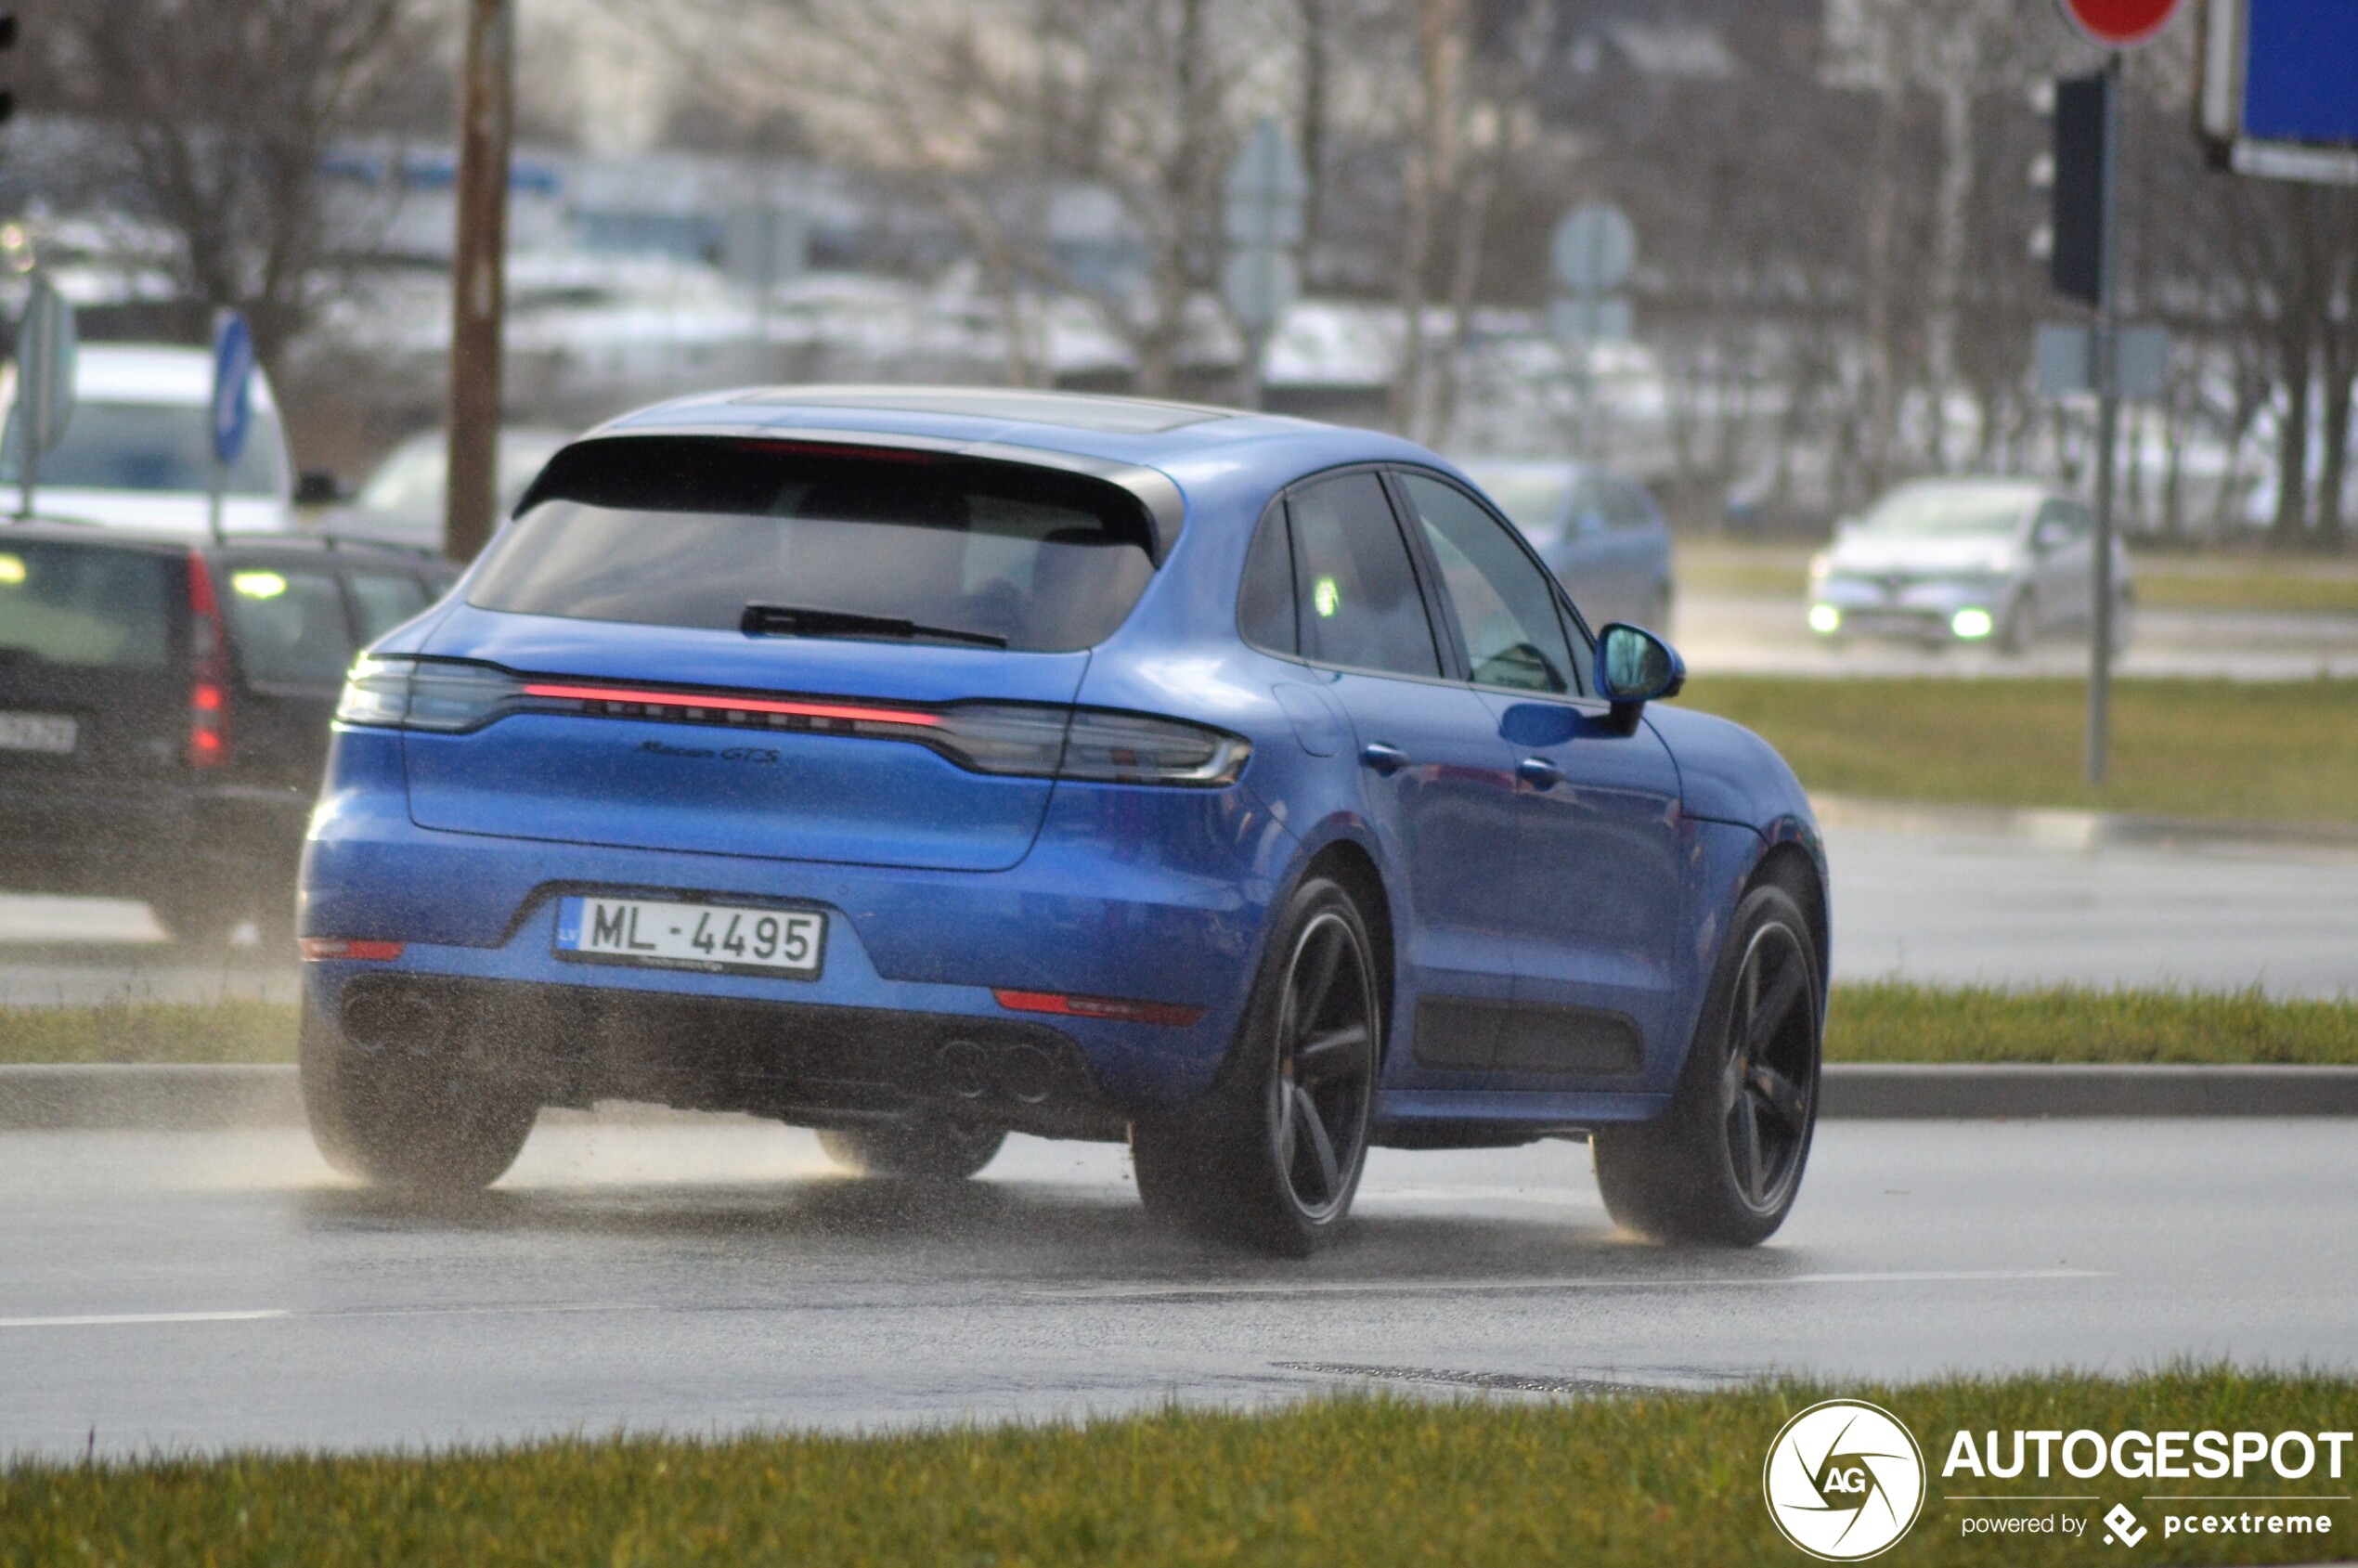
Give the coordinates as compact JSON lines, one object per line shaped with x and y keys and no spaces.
{"x":1845,"y":1480}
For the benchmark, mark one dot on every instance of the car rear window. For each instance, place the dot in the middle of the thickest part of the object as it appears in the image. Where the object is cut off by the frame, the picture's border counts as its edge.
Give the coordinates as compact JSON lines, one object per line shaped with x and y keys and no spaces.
{"x":85,"y":606}
{"x":691,"y":531}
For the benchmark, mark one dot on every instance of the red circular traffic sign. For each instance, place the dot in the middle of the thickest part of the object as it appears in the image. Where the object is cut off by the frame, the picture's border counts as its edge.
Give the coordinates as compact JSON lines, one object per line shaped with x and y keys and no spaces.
{"x":2118,"y":24}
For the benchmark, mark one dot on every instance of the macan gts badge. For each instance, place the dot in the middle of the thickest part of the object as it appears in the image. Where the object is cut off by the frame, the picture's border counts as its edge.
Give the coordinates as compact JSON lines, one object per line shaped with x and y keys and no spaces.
{"x":921,"y":765}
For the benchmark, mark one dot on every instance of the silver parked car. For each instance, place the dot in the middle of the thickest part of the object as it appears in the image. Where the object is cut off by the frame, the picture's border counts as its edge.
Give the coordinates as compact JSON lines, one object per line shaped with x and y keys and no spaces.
{"x":1965,"y":561}
{"x":402,"y":502}
{"x":1601,"y":534}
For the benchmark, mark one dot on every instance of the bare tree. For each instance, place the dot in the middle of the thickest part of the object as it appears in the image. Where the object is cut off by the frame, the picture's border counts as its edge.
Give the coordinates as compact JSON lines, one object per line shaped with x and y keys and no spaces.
{"x":215,"y":118}
{"x":991,"y":111}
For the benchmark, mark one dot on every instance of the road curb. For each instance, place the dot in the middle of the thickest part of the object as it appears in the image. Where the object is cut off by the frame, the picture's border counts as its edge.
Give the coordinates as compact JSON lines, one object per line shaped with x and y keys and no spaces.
{"x":204,"y":1098}
{"x":1945,"y":1091}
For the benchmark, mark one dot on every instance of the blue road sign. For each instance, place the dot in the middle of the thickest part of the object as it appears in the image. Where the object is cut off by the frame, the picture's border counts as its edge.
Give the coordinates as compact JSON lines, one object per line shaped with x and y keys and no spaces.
{"x":232,"y":386}
{"x":2280,"y":87}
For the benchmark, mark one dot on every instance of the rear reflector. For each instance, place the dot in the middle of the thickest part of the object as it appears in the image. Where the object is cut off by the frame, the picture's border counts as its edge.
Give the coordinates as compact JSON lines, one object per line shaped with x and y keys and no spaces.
{"x":342,"y":947}
{"x":1099,"y":1007}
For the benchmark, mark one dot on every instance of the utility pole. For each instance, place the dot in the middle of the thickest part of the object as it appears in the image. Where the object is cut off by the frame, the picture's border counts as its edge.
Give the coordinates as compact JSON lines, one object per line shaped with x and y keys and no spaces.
{"x":478,"y":277}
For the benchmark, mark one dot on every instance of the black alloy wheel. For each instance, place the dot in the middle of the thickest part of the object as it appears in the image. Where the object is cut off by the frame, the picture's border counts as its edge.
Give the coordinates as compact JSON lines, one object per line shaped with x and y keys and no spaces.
{"x":1770,"y":1085}
{"x":427,"y":1122}
{"x":1318,"y":1097}
{"x":1272,"y":1157}
{"x":1722,"y":1166}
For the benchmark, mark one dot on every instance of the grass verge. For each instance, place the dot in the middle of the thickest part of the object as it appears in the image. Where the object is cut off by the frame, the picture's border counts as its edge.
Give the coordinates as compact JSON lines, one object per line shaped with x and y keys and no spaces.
{"x":2278,"y":751}
{"x":2304,"y":588}
{"x":2171,"y":582}
{"x":1898,"y":1021}
{"x":1374,"y":1481}
{"x":149,"y":1031}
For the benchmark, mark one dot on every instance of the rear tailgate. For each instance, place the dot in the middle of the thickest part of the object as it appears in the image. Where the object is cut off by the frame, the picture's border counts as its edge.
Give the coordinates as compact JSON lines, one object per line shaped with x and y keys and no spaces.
{"x":739,"y":791}
{"x":93,"y":665}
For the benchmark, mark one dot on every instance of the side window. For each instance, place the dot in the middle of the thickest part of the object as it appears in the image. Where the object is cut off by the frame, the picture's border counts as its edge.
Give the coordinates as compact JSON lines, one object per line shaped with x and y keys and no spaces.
{"x":1506,"y":606}
{"x":381,"y":601}
{"x":1629,"y":507}
{"x":290,"y":625}
{"x":2061,"y":522}
{"x":1358,"y":603}
{"x":1591,"y":508}
{"x":1266,"y":607}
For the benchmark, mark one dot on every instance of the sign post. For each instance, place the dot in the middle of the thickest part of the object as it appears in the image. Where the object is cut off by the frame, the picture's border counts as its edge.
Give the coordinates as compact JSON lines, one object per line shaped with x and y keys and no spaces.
{"x":44,"y":384}
{"x":232,"y":405}
{"x":1594,"y":248}
{"x":2116,"y":26}
{"x":1267,"y":198}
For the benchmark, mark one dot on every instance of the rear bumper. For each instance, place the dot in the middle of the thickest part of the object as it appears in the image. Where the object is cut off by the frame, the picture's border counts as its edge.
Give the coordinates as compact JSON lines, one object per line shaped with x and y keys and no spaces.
{"x":811,"y":1063}
{"x":1145,"y":895}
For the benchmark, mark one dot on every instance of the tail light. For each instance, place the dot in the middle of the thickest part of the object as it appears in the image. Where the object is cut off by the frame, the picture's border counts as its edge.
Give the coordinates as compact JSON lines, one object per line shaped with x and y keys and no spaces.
{"x":209,"y":671}
{"x":1030,"y":740}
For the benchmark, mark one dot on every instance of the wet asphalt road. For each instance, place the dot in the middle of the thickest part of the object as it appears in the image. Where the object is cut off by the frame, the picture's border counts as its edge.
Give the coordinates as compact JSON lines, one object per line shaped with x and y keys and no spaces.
{"x":206,"y":1289}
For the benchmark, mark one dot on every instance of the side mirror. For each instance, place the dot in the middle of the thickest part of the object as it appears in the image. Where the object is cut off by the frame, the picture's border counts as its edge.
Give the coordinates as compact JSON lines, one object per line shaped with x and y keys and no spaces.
{"x":2046,"y":538}
{"x":315,"y":488}
{"x":1635,"y":668}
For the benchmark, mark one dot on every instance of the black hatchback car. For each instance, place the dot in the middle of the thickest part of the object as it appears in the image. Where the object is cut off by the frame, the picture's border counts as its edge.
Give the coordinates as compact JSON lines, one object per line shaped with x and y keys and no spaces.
{"x":164,"y":706}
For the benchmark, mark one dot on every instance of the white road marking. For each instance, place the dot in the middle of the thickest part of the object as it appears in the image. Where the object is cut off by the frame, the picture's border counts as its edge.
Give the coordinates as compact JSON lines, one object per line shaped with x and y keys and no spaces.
{"x":121,"y":1319}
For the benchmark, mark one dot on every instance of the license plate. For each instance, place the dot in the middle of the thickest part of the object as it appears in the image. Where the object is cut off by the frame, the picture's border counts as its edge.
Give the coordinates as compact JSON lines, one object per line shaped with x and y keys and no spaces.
{"x":703,"y":935}
{"x":37,"y":732}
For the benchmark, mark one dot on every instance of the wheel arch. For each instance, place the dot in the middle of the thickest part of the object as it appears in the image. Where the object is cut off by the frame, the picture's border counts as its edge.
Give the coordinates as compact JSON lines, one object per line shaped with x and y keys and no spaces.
{"x":1789,"y":866}
{"x":1348,"y":863}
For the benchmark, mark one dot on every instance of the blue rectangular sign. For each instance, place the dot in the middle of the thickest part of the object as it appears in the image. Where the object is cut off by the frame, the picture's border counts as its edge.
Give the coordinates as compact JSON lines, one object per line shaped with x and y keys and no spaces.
{"x":2301,"y":71}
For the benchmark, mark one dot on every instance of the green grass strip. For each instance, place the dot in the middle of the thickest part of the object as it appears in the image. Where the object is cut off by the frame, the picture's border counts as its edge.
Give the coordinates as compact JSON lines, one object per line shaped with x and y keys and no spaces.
{"x":1879,"y":1022}
{"x":149,"y":1031}
{"x":1899,"y":1021}
{"x":1368,"y":1481}
{"x":2276,"y":751}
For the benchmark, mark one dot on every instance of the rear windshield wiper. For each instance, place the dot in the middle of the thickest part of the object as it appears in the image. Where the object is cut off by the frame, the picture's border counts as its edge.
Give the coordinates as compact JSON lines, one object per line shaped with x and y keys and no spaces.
{"x":796,"y":621}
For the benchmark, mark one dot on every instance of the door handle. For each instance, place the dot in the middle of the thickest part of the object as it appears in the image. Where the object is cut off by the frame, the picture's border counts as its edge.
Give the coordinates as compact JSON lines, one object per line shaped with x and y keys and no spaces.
{"x":1384,"y":757}
{"x":1538,"y":773}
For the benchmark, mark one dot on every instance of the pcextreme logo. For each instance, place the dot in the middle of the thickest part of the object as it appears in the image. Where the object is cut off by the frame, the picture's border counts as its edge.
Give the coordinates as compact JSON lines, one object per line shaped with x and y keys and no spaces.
{"x":1845,"y":1480}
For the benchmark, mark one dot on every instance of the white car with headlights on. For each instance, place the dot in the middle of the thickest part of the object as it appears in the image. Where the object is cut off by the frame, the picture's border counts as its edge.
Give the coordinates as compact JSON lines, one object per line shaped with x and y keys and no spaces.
{"x":1943,"y":561}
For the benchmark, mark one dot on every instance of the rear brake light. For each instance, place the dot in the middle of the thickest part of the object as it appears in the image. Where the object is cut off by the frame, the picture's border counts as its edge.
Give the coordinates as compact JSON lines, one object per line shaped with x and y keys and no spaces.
{"x":1030,"y":740}
{"x":342,"y":947}
{"x":1111,"y":1007}
{"x":209,"y":674}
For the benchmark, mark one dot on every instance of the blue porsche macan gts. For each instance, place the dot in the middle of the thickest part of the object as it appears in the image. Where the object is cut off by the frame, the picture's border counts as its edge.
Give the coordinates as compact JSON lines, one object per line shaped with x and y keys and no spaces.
{"x":920,"y":765}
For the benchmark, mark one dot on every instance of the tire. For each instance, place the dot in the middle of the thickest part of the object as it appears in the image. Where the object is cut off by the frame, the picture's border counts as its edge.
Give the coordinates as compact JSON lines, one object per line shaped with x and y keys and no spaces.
{"x":1722,"y":1165}
{"x":1272,"y":1157}
{"x":416,"y":1121}
{"x":2020,"y":625}
{"x":925,"y":1151}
